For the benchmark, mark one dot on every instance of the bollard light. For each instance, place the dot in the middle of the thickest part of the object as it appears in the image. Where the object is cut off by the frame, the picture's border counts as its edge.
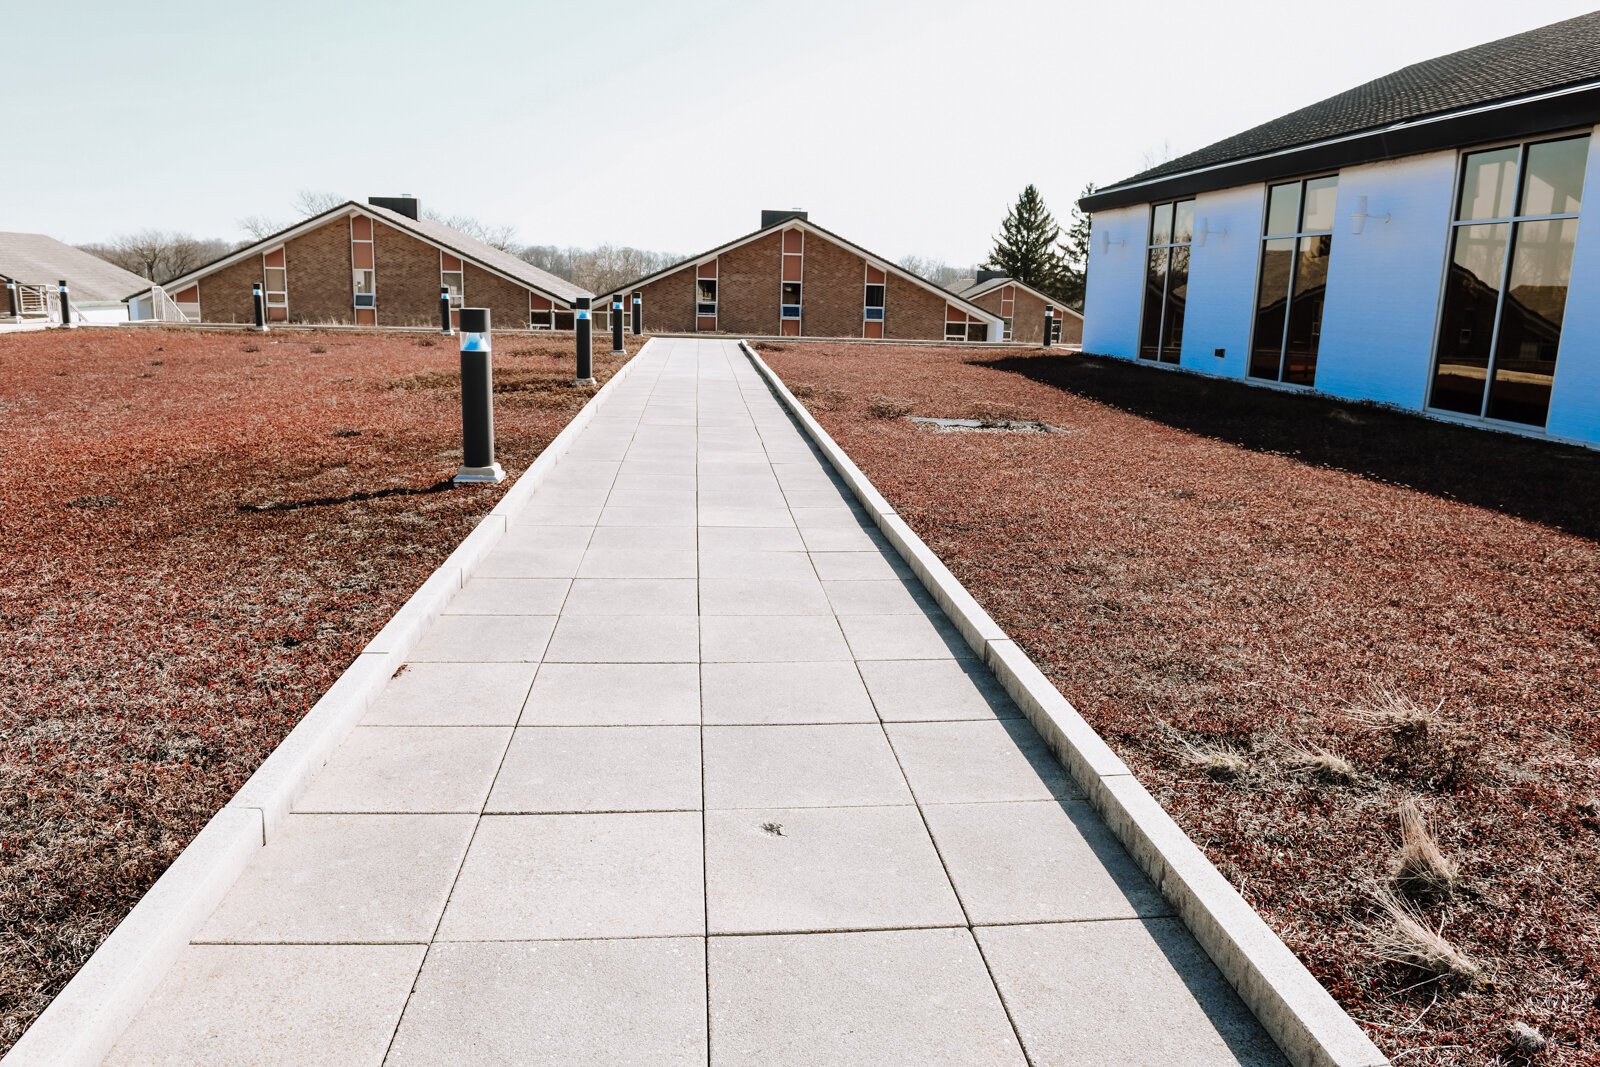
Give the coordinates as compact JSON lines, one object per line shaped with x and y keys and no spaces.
{"x":66,"y":305}
{"x":584,"y":329}
{"x":445,"y":326}
{"x":259,"y":305}
{"x":477,"y":402}
{"x":616,"y":326}
{"x":1049,"y":324}
{"x":11,"y":298}
{"x":638,"y":314}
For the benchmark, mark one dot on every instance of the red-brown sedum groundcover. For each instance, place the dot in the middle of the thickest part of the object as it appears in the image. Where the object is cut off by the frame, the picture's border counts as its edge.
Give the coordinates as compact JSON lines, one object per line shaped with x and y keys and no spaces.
{"x":1240,"y":588}
{"x":198,"y":531}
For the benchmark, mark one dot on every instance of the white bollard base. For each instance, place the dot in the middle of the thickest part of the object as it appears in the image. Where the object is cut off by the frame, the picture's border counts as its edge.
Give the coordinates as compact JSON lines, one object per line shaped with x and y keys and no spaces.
{"x":480,"y":475}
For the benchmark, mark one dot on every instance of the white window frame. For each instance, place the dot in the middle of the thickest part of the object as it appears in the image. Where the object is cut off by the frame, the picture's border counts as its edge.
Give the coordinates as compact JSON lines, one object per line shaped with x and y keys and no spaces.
{"x":883,"y":309}
{"x":799,"y":306}
{"x":276,"y":298}
{"x":549,"y":313}
{"x":355,"y":271}
{"x":458,"y":293}
{"x":716,"y":308}
{"x":1299,"y":233}
{"x":1144,"y":276}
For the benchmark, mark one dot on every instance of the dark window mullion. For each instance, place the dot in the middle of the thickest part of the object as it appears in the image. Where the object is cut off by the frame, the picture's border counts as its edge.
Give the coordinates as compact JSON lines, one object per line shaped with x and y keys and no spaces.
{"x":1505,"y":281}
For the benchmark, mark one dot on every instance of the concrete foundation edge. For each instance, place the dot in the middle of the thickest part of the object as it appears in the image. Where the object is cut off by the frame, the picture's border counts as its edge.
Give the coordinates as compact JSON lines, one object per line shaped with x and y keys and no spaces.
{"x":90,"y":1013}
{"x":1300,"y":1015}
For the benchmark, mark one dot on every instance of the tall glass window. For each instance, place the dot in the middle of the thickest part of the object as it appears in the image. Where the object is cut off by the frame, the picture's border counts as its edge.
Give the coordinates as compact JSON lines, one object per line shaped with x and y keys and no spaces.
{"x":1294,"y":280}
{"x":1166,"y":281}
{"x":1506,"y":291}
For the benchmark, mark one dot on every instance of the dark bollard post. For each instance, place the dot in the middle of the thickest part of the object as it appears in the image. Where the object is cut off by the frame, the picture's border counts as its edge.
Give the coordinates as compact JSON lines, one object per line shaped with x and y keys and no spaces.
{"x":616,"y":326}
{"x":638,"y":314}
{"x":585,"y":329}
{"x":66,"y":304}
{"x":444,"y":311}
{"x":258,"y":302}
{"x":1049,"y":324}
{"x":477,"y":401}
{"x":13,"y":300}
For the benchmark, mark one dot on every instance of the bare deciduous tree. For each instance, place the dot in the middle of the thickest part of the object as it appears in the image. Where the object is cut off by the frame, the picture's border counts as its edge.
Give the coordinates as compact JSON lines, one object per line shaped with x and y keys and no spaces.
{"x":159,"y":255}
{"x":935,"y":270}
{"x":598,"y":269}
{"x":310,"y":202}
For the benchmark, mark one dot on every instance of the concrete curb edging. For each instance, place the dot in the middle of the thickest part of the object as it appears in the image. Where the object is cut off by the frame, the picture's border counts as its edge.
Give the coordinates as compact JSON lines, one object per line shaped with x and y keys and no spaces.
{"x":86,"y":1018}
{"x":1306,"y":1022}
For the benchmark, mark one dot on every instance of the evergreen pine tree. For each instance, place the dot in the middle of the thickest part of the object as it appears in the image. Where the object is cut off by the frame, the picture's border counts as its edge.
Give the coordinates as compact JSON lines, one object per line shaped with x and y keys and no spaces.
{"x":1027,"y":246}
{"x":1075,"y":255}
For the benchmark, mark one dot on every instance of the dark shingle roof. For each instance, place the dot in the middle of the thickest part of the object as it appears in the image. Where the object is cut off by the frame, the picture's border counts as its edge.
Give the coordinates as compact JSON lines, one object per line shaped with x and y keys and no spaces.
{"x":1550,"y":57}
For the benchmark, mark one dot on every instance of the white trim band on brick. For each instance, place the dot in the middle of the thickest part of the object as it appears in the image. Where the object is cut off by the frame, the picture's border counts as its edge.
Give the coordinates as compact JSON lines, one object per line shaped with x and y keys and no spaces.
{"x":90,"y":1013}
{"x":1300,"y":1015}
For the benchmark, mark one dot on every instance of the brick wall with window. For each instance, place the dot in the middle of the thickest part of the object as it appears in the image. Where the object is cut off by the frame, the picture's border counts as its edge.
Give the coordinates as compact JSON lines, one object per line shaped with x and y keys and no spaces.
{"x":669,"y":303}
{"x":835,"y":289}
{"x":225,"y":295}
{"x":748,"y":287}
{"x":1027,"y":326}
{"x":319,"y":275}
{"x":408,"y":279}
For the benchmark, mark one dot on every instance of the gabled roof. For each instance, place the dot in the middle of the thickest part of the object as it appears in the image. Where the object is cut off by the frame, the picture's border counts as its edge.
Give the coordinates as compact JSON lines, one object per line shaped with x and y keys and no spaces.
{"x":984,"y":288}
{"x":805,"y":224}
{"x":37,"y":259}
{"x":491,"y":259}
{"x":1548,"y":62}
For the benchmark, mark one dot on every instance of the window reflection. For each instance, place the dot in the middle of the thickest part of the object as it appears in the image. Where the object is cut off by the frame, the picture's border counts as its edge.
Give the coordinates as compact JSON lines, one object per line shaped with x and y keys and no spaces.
{"x":1166,"y":287}
{"x":1283,"y":210}
{"x":1496,"y":352}
{"x":1155,"y":287}
{"x":1319,"y":197}
{"x":1488,"y":184}
{"x":1293,"y":280}
{"x":1272,"y":301}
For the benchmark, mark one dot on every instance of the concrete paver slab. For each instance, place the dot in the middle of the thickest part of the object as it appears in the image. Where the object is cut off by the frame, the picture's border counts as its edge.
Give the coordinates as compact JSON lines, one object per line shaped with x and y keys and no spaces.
{"x":453,"y":694}
{"x":632,"y":596}
{"x":534,"y":877}
{"x":967,"y":762}
{"x":773,"y":870}
{"x":409,"y":769}
{"x":931,"y":690}
{"x":770,"y":693}
{"x":273,"y":1004}
{"x":637,"y":562}
{"x":557,"y":1004}
{"x":614,"y":694}
{"x":345,"y":878}
{"x":510,"y":596}
{"x":1125,"y":993}
{"x":600,"y":768}
{"x":902,"y":637}
{"x":906,"y":998}
{"x":763,"y":596}
{"x":1039,"y":861}
{"x":800,"y":766}
{"x":857,"y":566}
{"x":777,"y":639}
{"x":625,"y":639}
{"x":881,"y":597}
{"x":484,"y":639}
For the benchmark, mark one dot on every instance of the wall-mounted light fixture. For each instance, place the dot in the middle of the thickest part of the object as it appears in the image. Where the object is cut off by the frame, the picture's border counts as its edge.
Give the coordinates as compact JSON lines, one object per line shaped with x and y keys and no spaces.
{"x":1106,"y":242}
{"x":1360,"y":216}
{"x":1204,"y":231}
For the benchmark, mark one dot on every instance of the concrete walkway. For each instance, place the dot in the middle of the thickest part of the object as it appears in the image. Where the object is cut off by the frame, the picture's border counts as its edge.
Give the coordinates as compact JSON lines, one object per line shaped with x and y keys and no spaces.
{"x":692,"y":772}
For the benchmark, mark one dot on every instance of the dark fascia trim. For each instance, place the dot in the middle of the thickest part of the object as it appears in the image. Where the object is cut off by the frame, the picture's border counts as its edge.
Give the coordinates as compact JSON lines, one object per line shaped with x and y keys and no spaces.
{"x":1528,"y":118}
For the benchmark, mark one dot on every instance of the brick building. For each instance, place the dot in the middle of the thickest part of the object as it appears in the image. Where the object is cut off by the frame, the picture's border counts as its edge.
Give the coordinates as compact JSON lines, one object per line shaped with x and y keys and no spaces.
{"x":792,"y":278}
{"x":373,"y":264}
{"x":1021,"y":309}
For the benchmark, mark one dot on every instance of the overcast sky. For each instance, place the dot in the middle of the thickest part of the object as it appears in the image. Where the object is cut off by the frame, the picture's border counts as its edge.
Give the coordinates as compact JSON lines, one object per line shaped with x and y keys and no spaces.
{"x":907,"y":127}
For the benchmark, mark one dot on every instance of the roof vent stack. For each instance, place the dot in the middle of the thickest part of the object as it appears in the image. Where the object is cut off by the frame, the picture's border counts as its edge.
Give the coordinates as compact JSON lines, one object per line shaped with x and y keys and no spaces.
{"x":405,"y":204}
{"x":772,"y":218}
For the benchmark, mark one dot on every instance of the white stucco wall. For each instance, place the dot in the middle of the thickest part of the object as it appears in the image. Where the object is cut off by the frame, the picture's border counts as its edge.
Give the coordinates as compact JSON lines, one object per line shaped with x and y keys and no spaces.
{"x":1381,"y":313}
{"x":1382,"y":304}
{"x":1575,"y":400}
{"x":1116,"y":280}
{"x":1222,"y":281}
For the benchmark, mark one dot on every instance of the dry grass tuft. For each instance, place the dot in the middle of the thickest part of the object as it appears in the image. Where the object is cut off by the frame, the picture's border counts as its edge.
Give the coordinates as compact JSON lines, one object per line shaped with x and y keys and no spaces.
{"x":997,"y":413}
{"x":1398,"y":715}
{"x":1408,"y":939}
{"x":1421,"y":869}
{"x":888,"y":407}
{"x":252,"y":348}
{"x":426,"y":342}
{"x":1218,"y":761}
{"x":821,"y":395}
{"x":1321,"y":765}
